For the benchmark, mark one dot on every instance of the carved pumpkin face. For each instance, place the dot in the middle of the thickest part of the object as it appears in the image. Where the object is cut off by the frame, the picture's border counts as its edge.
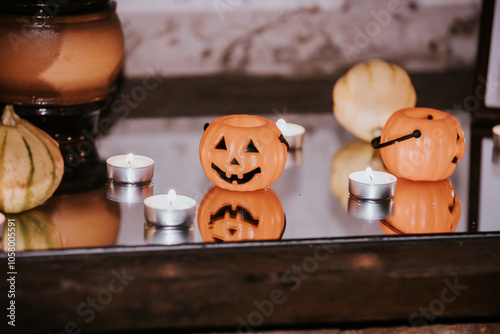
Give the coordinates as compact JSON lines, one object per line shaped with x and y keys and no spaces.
{"x":433,"y":155}
{"x":243,"y":152}
{"x":226,"y":215}
{"x":423,"y":207}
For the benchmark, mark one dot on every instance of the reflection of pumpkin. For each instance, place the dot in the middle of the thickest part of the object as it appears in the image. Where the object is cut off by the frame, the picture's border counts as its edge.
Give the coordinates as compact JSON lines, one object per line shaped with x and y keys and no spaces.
{"x":84,"y":219}
{"x":226,"y":215}
{"x":366,"y":96}
{"x":432,"y":156}
{"x":423,"y":207}
{"x":32,"y":165}
{"x":354,"y":156}
{"x":33,"y":231}
{"x":243,"y":152}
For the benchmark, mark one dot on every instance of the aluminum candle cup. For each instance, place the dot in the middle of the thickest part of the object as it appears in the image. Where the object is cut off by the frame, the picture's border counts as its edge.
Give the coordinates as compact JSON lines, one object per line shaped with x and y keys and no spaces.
{"x":130,"y":168}
{"x":293,"y":133}
{"x":160,"y":210}
{"x":128,"y":193}
{"x":379,"y":186}
{"x":370,"y":209}
{"x":168,"y":235}
{"x":294,"y":158}
{"x":496,"y":136}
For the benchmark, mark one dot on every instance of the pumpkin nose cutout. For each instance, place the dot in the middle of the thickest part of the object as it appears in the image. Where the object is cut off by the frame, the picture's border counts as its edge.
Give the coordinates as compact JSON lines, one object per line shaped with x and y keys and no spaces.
{"x":235,"y":162}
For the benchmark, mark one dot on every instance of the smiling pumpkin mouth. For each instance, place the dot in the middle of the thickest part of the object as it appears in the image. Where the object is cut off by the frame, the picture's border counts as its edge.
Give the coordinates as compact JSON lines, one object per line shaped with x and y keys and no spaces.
{"x":246,"y":177}
{"x":246,"y":216}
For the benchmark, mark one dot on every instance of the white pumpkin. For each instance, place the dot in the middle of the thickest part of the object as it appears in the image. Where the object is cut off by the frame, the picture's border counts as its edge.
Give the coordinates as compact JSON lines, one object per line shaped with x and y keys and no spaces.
{"x":31,"y":165}
{"x":367,"y":95}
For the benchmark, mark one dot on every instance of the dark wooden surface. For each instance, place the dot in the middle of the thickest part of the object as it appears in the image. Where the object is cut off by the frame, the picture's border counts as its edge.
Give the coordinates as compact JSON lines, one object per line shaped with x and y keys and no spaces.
{"x":188,"y":96}
{"x":492,"y":328}
{"x":362,"y":281}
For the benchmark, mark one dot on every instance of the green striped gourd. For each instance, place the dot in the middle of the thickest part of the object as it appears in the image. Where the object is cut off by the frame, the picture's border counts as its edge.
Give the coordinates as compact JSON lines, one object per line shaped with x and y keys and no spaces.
{"x":31,"y":165}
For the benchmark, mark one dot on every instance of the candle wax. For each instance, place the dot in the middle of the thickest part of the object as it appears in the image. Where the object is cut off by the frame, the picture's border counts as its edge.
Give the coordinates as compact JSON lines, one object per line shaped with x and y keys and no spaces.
{"x":290,"y":129}
{"x":162,"y":202}
{"x":378,"y":177}
{"x":138,"y":161}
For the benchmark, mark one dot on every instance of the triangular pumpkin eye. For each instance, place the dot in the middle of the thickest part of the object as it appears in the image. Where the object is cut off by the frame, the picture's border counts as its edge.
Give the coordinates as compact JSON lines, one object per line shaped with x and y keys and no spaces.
{"x":251,"y":147}
{"x":221,"y":145}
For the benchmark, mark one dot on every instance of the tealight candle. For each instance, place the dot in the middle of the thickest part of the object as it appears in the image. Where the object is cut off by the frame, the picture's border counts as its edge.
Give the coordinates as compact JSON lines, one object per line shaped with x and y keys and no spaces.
{"x":169,"y":209}
{"x":130,"y":168}
{"x":293,"y":133}
{"x":371,"y":184}
{"x":496,"y":136}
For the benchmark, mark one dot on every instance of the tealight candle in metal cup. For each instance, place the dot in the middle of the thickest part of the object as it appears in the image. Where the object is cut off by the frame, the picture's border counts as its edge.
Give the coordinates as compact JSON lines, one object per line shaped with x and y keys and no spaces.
{"x":373,"y":185}
{"x":169,"y":209}
{"x":293,"y":133}
{"x":130,"y":168}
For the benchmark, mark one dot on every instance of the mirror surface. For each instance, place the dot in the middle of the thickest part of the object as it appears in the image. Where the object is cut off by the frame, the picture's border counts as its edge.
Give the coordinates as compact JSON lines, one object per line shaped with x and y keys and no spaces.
{"x":309,"y":200}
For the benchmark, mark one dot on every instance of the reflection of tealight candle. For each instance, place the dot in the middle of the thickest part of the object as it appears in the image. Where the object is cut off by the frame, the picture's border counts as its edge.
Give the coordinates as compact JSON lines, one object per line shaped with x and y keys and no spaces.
{"x":370,"y":209}
{"x":370,"y":184}
{"x":130,"y":168}
{"x":496,"y":136}
{"x":293,"y":133}
{"x":169,"y":209}
{"x":128,"y":193}
{"x":160,"y":235}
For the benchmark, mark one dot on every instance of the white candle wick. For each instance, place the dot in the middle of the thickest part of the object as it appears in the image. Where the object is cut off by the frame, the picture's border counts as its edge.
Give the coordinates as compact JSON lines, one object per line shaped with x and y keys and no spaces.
{"x":129,"y":159}
{"x":281,"y":125}
{"x":370,"y":174}
{"x":171,"y":196}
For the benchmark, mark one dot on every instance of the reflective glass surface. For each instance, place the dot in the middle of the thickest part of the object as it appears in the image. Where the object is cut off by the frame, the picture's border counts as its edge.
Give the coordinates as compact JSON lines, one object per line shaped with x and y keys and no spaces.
{"x":309,"y":200}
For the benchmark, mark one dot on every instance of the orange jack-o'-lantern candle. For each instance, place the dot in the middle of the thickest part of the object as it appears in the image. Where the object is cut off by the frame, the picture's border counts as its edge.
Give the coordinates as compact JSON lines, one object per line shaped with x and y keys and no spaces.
{"x":423,"y":207}
{"x":243,"y":152}
{"x":226,"y":215}
{"x":421,"y":144}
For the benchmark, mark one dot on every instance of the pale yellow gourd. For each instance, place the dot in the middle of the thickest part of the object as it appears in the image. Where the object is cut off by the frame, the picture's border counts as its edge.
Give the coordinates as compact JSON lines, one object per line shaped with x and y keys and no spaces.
{"x":367,"y":95}
{"x":33,"y":230}
{"x":31,"y":165}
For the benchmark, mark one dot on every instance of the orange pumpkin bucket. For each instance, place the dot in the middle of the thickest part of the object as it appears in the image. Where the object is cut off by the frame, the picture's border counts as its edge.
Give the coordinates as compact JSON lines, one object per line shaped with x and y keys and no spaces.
{"x":243,"y":152}
{"x":421,"y":144}
{"x":423,"y":207}
{"x":226,"y":215}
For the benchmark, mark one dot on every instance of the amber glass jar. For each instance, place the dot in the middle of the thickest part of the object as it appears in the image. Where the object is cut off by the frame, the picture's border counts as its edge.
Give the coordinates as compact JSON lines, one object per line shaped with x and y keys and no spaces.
{"x":58,"y":53}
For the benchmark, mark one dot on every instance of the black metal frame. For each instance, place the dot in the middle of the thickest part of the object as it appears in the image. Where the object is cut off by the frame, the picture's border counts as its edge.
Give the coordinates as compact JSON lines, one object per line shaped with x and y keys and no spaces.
{"x":482,"y":113}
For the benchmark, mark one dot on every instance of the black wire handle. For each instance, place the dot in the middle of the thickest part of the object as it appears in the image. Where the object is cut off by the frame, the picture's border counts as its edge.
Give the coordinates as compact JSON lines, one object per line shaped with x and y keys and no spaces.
{"x":376,"y":141}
